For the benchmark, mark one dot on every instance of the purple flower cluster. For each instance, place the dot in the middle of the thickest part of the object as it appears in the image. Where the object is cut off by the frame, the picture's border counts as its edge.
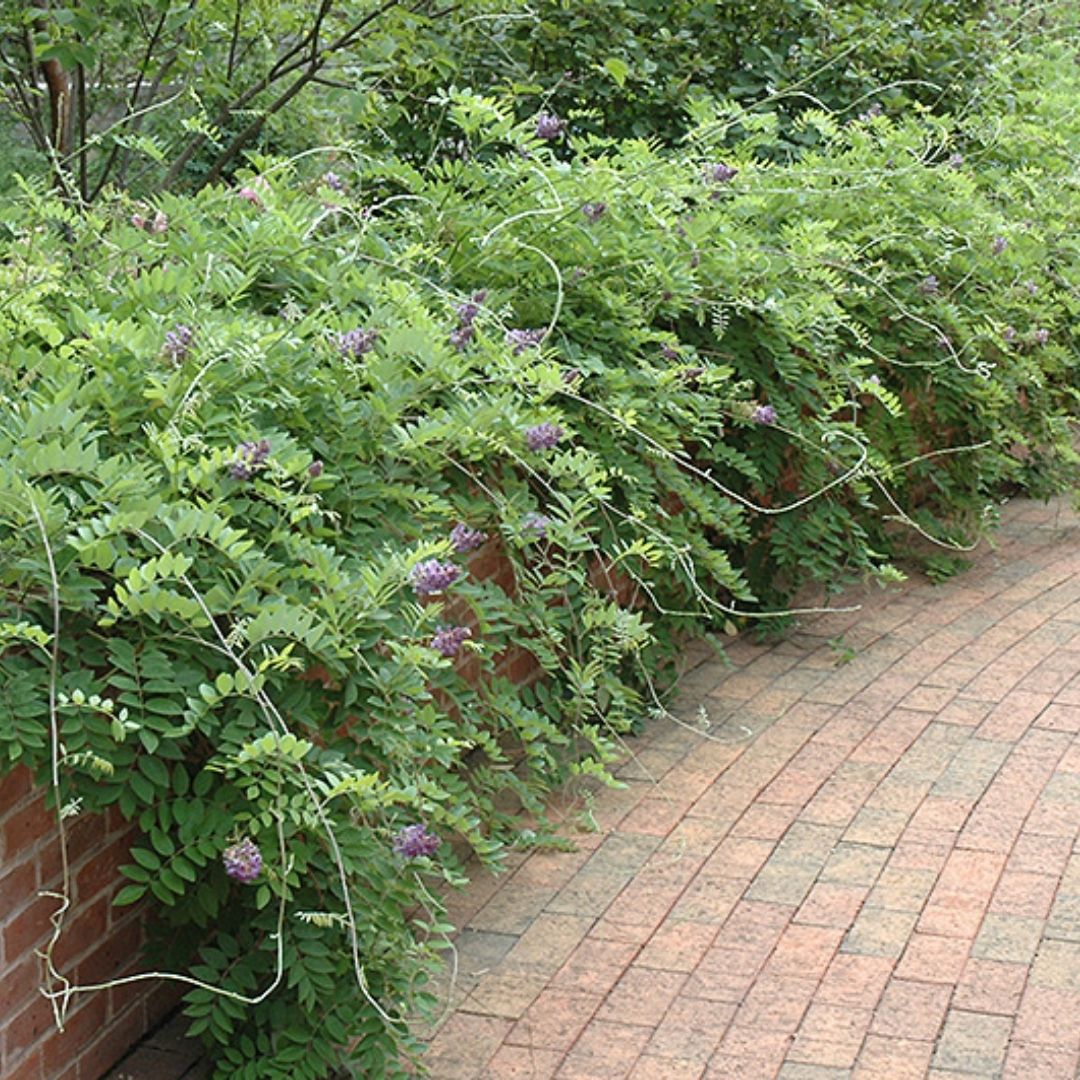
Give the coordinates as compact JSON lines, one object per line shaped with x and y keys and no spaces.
{"x":594,"y":211}
{"x":249,"y":195}
{"x":415,"y":842}
{"x":250,"y":458}
{"x":930,"y":286}
{"x":1009,"y":333}
{"x":873,"y":112}
{"x":243,"y":861}
{"x":720,"y":173}
{"x":549,"y":126}
{"x":333,"y":181}
{"x":465,"y":539}
{"x":764,"y":414}
{"x":449,"y":639}
{"x":466,"y":314}
{"x":543,"y":436}
{"x":956,"y":161}
{"x":158,"y":224}
{"x":315,"y":469}
{"x":1042,"y":337}
{"x":536,"y":523}
{"x":525,"y":339}
{"x":431,"y":577}
{"x":178,"y":342}
{"x":354,"y":343}
{"x":999,"y":245}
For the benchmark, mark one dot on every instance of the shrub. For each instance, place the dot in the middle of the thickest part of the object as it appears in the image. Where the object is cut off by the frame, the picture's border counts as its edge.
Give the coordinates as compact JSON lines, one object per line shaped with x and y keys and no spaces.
{"x":255,"y":458}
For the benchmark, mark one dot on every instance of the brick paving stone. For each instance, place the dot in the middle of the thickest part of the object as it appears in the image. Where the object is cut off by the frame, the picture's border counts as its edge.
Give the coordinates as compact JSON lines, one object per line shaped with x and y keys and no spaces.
{"x":929,"y":958}
{"x":854,"y":981}
{"x":883,"y":1058}
{"x":605,"y":1051}
{"x":554,"y":1020}
{"x":1027,"y":1062}
{"x":911,"y":1010}
{"x":990,"y":986}
{"x":522,"y":1063}
{"x":641,"y":996}
{"x":973,"y":1043}
{"x":691,"y":1030}
{"x":891,"y":840}
{"x":880,"y":932}
{"x":1012,"y":938}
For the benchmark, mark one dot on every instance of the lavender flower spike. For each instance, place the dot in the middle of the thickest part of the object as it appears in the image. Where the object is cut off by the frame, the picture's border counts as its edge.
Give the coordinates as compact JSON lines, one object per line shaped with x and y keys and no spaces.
{"x":543,"y":436}
{"x":594,"y":211}
{"x":549,"y":126}
{"x":465,"y":539}
{"x":431,"y":577}
{"x":354,"y":343}
{"x":764,"y":414}
{"x":536,"y":523}
{"x":250,"y":458}
{"x":243,"y":861}
{"x":333,"y":181}
{"x":1042,"y":336}
{"x":178,"y":342}
{"x":524,"y":339}
{"x":721,"y":173}
{"x":999,"y":245}
{"x":415,"y":842}
{"x":449,"y":639}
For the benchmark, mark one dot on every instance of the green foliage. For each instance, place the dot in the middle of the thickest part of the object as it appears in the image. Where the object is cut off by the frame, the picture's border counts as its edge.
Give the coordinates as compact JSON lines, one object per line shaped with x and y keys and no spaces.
{"x":766,"y":382}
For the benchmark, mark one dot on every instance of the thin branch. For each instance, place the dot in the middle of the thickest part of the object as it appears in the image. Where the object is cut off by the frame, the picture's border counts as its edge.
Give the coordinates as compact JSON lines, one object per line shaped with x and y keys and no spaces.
{"x":231,"y":66}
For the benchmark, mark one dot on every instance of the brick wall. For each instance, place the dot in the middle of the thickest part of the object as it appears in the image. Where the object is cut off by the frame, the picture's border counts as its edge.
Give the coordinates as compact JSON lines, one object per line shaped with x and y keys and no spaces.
{"x":99,"y":942}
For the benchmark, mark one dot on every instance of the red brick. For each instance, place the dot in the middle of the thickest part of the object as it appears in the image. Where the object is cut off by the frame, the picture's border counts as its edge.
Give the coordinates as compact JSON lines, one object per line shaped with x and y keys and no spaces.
{"x":595,"y":966}
{"x":16,"y":886}
{"x":554,"y":1020}
{"x":26,"y":1029}
{"x":884,"y":1058}
{"x":911,"y":1010}
{"x":641,"y":996}
{"x":990,"y":986}
{"x":114,"y":1042}
{"x":605,"y":1052}
{"x":80,"y":1028}
{"x":1047,"y":1017}
{"x":29,"y":927}
{"x":933,"y":959}
{"x":855,"y":981}
{"x":691,"y":1030}
{"x":832,"y":905}
{"x":29,"y":1068}
{"x":1020,"y":893}
{"x":522,"y":1063}
{"x":663,"y":1068}
{"x":678,"y":945}
{"x":14,"y":787}
{"x":25,"y":827}
{"x":1027,"y":1062}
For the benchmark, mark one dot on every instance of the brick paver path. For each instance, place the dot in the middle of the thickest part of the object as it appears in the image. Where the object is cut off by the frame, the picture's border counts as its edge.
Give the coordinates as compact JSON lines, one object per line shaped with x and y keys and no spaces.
{"x":862,"y":869}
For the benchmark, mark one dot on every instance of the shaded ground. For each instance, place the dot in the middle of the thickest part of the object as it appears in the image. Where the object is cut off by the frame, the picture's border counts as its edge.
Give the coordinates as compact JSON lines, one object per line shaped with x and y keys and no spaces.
{"x":860,"y":860}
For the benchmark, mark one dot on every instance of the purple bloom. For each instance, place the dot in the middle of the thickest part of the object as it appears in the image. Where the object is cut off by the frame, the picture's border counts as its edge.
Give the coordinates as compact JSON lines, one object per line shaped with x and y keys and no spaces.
{"x":1009,"y":333}
{"x":468,"y":311}
{"x":354,"y":343}
{"x":333,"y":181}
{"x":160,"y":222}
{"x":243,"y":861}
{"x":549,"y":126}
{"x":315,"y":469}
{"x":594,"y":211}
{"x":536,"y":523}
{"x":929,"y":286}
{"x":764,"y":414}
{"x":1042,"y":337}
{"x":461,"y":337}
{"x":543,"y":436}
{"x":138,"y":220}
{"x":1031,"y":287}
{"x":431,"y":577}
{"x":249,"y":195}
{"x":719,"y":173}
{"x":415,"y":842}
{"x":524,"y":339}
{"x":999,"y":245}
{"x":956,"y":161}
{"x":465,"y":539}
{"x":874,"y":111}
{"x":669,"y":352}
{"x":449,"y":639}
{"x":178,"y":342}
{"x":250,"y":458}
